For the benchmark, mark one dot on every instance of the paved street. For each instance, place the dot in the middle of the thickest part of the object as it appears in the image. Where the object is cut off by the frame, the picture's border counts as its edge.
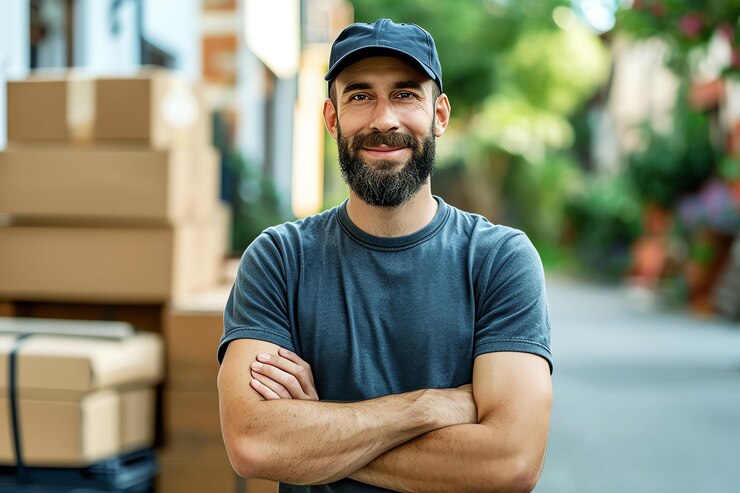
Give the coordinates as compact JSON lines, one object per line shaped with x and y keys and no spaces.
{"x":645,"y":400}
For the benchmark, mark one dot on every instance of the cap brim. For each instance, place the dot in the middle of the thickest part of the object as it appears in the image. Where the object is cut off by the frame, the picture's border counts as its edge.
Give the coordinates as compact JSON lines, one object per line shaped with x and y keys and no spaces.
{"x":370,"y":51}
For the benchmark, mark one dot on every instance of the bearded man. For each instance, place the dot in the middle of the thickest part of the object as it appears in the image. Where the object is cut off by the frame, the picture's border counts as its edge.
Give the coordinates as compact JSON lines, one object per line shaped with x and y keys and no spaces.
{"x":393,"y":342}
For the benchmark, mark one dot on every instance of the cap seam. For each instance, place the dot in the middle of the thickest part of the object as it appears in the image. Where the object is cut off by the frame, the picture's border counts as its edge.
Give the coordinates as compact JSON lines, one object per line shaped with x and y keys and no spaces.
{"x":429,"y":47}
{"x":380,"y":30}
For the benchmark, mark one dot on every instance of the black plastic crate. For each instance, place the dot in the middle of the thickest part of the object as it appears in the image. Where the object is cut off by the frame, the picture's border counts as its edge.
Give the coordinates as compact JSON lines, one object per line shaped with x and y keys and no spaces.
{"x":128,"y":473}
{"x":146,"y":487}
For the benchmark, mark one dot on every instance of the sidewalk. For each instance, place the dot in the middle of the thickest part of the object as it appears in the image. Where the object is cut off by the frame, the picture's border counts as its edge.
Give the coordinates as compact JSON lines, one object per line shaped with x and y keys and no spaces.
{"x":644,"y":400}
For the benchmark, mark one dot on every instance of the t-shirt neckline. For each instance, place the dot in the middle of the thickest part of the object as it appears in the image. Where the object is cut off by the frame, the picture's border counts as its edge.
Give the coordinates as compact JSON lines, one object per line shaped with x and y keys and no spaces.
{"x":396,"y":242}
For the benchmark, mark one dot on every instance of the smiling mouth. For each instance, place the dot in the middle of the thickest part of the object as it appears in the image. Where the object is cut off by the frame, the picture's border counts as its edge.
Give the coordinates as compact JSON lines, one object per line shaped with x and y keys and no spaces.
{"x":384,"y":151}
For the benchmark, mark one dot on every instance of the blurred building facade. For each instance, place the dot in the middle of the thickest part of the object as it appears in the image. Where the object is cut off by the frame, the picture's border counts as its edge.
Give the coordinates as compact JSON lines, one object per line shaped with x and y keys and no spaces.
{"x":261,"y":64}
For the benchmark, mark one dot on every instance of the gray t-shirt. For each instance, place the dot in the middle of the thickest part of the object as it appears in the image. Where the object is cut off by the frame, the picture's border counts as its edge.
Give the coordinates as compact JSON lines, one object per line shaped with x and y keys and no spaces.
{"x":377,"y":316}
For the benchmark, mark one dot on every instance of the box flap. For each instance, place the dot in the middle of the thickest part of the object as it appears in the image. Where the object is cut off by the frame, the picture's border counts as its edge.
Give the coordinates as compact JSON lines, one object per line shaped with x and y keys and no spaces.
{"x":48,"y":362}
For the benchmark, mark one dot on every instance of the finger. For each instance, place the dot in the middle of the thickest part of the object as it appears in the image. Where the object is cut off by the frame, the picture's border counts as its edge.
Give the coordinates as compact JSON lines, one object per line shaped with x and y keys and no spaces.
{"x":298,"y":371}
{"x":283,"y":378}
{"x":291,"y":356}
{"x":278,"y":389}
{"x":263,"y":390}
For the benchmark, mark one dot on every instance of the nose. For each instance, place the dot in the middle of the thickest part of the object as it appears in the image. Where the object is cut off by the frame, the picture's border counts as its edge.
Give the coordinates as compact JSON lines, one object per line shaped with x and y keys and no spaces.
{"x":384,"y":118}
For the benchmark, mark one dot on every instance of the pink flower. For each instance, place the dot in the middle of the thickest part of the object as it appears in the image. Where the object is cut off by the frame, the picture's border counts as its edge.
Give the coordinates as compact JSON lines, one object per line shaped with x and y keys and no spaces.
{"x":691,"y":24}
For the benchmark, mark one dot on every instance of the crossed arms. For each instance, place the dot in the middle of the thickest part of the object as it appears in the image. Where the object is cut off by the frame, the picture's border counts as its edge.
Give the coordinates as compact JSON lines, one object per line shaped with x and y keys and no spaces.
{"x":489,"y":437}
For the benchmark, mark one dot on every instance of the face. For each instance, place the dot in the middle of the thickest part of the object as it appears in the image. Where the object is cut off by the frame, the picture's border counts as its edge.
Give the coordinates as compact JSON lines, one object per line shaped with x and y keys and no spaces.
{"x":385,"y":123}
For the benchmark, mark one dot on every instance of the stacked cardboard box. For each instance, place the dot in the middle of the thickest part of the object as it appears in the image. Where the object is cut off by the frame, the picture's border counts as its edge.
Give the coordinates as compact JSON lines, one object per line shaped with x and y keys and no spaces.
{"x":80,"y":399}
{"x":194,"y":453}
{"x":111,"y":187}
{"x":112,"y":190}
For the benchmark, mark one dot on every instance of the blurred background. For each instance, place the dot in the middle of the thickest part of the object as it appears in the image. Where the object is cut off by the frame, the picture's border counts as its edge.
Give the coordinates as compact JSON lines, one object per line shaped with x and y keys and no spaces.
{"x":607,"y":130}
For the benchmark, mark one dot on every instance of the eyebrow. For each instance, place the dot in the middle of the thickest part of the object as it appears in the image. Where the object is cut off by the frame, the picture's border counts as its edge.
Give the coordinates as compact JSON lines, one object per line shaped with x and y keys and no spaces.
{"x":363,"y":86}
{"x":407,"y":84}
{"x":357,"y":86}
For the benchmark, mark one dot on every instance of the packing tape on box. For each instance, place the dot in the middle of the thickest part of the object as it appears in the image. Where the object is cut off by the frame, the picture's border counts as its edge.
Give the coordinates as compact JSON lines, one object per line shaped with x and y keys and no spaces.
{"x":80,"y":107}
{"x":13,"y":403}
{"x":179,"y":106}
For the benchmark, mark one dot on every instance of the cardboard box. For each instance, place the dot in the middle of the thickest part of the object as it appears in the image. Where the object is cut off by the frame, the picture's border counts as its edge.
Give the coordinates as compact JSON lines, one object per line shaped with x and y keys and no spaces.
{"x":80,"y":365}
{"x":193,"y":327}
{"x":109,"y":185}
{"x":194,"y":457}
{"x":155,"y":108}
{"x":134,"y":265}
{"x":142,"y":317}
{"x":7,"y":309}
{"x":191,"y":475}
{"x":80,"y":399}
{"x":192,"y":416}
{"x":79,"y":431}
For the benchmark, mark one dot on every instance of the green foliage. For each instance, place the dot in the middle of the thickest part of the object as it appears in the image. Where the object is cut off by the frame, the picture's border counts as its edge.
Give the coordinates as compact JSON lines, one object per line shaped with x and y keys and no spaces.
{"x":683,"y":24}
{"x":604,"y":220}
{"x":256,"y":203}
{"x":472,"y":37}
{"x":675,"y":163}
{"x":538,"y":193}
{"x":554,"y":70}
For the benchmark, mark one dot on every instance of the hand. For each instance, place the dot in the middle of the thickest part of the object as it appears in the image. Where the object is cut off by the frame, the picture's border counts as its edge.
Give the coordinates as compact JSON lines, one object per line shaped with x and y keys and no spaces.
{"x":283,"y":376}
{"x":457,"y":406}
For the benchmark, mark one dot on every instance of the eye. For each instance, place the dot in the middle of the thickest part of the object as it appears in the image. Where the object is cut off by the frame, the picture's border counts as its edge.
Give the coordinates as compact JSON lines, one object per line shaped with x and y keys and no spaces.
{"x":359,"y":97}
{"x":406,"y":95}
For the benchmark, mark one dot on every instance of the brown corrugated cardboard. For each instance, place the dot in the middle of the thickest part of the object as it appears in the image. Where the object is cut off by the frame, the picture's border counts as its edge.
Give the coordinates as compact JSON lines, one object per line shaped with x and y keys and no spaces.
{"x":27,"y":100}
{"x":155,"y":108}
{"x":205,"y":189}
{"x":127,"y":265}
{"x":109,"y":185}
{"x":192,"y":329}
{"x":192,"y":428}
{"x":138,"y":413}
{"x":194,"y":457}
{"x":79,"y":365}
{"x":191,"y":476}
{"x":78,"y":432}
{"x":192,"y":416}
{"x":80,"y":399}
{"x":7,"y":309}
{"x":112,"y":185}
{"x":142,"y":317}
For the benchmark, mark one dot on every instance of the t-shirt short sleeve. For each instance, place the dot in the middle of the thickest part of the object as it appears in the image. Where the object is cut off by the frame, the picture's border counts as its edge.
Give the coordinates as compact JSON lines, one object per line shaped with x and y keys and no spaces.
{"x":257,"y":307}
{"x":512,"y":312}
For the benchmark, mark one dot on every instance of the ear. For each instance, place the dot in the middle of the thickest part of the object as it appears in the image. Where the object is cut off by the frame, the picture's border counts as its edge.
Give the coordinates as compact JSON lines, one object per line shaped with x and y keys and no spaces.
{"x":330,"y":117}
{"x":442,"y":112}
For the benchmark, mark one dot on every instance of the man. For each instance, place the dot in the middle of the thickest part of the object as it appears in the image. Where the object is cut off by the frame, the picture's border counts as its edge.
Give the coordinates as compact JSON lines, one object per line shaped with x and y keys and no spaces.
{"x":393,"y":342}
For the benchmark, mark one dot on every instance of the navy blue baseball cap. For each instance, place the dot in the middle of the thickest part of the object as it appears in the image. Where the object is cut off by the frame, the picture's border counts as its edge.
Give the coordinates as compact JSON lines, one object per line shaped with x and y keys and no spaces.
{"x":384,"y":38}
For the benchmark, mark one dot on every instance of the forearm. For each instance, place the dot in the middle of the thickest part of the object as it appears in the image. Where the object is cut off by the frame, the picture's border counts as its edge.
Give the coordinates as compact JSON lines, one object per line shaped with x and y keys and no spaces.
{"x":308,"y":442}
{"x":465,"y":458}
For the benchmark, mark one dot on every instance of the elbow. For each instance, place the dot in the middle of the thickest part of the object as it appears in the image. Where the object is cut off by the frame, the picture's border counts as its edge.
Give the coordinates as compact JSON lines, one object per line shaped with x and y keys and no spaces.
{"x":524,"y":479}
{"x":255,"y":459}
{"x":514,"y":475}
{"x":244,"y":459}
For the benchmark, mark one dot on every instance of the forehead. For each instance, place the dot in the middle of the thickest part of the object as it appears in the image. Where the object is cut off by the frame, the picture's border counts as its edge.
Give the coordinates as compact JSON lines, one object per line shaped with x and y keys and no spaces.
{"x":381,"y":68}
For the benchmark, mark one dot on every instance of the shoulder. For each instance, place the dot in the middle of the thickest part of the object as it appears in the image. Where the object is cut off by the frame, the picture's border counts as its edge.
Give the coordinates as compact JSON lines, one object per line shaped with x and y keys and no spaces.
{"x":496,"y":252}
{"x":487,"y":240}
{"x":291,"y":235}
{"x":284,"y":244}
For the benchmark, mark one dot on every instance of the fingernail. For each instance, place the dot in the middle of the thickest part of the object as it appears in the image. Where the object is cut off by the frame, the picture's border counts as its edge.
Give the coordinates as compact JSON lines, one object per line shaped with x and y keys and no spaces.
{"x":263,"y":357}
{"x":256,"y":365}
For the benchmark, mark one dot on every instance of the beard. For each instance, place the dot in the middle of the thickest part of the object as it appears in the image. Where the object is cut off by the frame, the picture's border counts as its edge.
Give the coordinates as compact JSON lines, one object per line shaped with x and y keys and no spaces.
{"x":380,"y":185}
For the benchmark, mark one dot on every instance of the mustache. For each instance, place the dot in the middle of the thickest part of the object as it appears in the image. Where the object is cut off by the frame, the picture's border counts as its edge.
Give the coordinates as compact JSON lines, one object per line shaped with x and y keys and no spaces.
{"x":391,"y":139}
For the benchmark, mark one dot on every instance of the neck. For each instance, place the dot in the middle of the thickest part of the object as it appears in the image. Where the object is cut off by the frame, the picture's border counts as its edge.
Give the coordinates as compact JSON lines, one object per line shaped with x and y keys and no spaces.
{"x":398,"y":221}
